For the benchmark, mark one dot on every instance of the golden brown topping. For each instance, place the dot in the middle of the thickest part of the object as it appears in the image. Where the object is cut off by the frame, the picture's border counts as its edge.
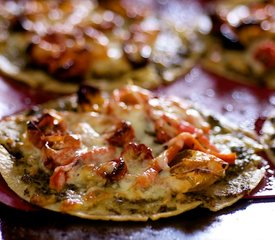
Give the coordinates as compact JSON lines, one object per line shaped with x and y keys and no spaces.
{"x":198,"y":169}
{"x":71,"y":204}
{"x":248,"y":33}
{"x":113,"y":5}
{"x":35,"y":134}
{"x":49,"y":133}
{"x":131,"y":95}
{"x":167,"y":158}
{"x":89,"y":98}
{"x":123,"y":134}
{"x":48,"y":124}
{"x":113,"y":170}
{"x":61,"y":55}
{"x":159,"y":163}
{"x":245,"y":23}
{"x":136,"y":152}
{"x":60,"y":150}
{"x":72,"y":65}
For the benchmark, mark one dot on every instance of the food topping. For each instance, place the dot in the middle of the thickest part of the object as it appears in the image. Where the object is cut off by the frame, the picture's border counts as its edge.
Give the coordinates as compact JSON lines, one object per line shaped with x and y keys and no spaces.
{"x":265,"y":54}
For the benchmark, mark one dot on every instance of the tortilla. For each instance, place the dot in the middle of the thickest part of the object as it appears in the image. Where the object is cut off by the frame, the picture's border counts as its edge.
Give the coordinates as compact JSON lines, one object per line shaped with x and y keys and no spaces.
{"x":126,"y":156}
{"x":239,"y":46}
{"x":113,"y":43}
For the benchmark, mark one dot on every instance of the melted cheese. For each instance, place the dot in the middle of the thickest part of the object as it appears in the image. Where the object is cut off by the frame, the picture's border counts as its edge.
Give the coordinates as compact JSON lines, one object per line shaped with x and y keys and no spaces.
{"x":94,"y":178}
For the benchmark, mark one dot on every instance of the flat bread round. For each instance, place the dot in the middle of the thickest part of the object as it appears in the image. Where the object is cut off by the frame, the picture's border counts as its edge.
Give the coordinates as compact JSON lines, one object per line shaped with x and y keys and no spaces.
{"x":126,"y":155}
{"x":57,"y":46}
{"x":241,"y":46}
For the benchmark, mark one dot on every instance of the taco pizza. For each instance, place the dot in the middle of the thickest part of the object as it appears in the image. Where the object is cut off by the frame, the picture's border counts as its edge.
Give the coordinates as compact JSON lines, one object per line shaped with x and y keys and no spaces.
{"x":126,"y":155}
{"x":56,"y":45}
{"x":241,"y":45}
